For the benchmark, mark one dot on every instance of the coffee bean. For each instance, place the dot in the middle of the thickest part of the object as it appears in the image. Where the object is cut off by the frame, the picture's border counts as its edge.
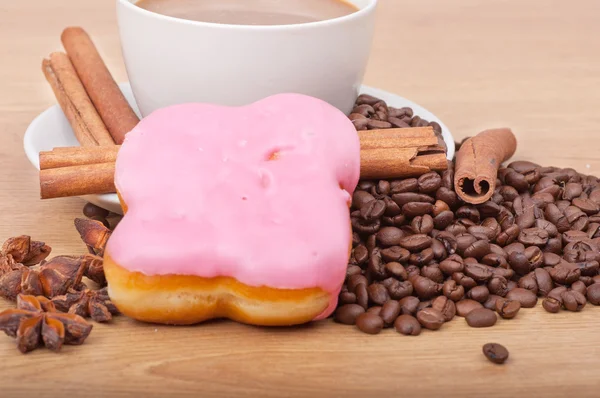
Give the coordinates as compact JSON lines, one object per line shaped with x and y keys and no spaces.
{"x":409,"y":305}
{"x":395,"y":253}
{"x":490,"y":303}
{"x":495,"y":353}
{"x":348,"y":313}
{"x":580,"y":287}
{"x":544,"y":281}
{"x":484,"y":233}
{"x":498,"y":285}
{"x":412,"y":271}
{"x":529,"y":282}
{"x":90,"y":210}
{"x":565,"y":273}
{"x":407,"y":325}
{"x":551,"y":304}
{"x":390,"y":311}
{"x":378,"y":293}
{"x":586,"y":205}
{"x":450,"y":266}
{"x":369,"y":323}
{"x":477,"y":249}
{"x":465,"y":306}
{"x":361,"y":254}
{"x":372,"y":210}
{"x":365,"y":227}
{"x":446,"y":195}
{"x":445,"y":306}
{"x":398,"y":290}
{"x":422,"y":224}
{"x":390,"y":236}
{"x":429,"y":182}
{"x":396,"y":270}
{"x":405,"y":198}
{"x":354,"y":281}
{"x":362,"y":296}
{"x":414,"y":209}
{"x":466,"y":281}
{"x":425,"y":288}
{"x":376,"y":265}
{"x":507,"y":309}
{"x":479,"y":293}
{"x":401,"y":186}
{"x":508,"y":236}
{"x":535,"y":257}
{"x":361,"y":198}
{"x":479,"y":272}
{"x":572,"y":191}
{"x":533,"y":236}
{"x":469,"y":212}
{"x":573,"y":300}
{"x":425,"y":256}
{"x":347,"y":298}
{"x":430,"y":318}
{"x":519,"y":263}
{"x":415,"y":243}
{"x":376,"y":310}
{"x":551,"y":259}
{"x":433,"y":272}
{"x":527,"y":298}
{"x":439,"y":207}
{"x":481,"y":318}
{"x":593,"y":293}
{"x":439,"y":251}
{"x":453,"y":291}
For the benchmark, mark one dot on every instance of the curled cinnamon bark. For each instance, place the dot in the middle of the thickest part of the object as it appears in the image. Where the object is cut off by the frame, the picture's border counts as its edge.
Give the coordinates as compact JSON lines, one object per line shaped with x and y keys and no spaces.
{"x":477,"y":163}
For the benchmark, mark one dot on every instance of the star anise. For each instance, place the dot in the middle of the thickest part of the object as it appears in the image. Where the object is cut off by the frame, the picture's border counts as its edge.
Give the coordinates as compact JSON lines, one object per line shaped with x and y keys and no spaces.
{"x":54,"y":278}
{"x":94,"y":269}
{"x":35,"y":322}
{"x":94,"y":234}
{"x":25,"y":251}
{"x":87,"y":303}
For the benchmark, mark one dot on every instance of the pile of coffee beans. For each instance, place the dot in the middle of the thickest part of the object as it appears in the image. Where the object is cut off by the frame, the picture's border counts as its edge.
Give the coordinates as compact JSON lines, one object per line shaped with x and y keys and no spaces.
{"x":372,"y":113}
{"x":421,"y":256}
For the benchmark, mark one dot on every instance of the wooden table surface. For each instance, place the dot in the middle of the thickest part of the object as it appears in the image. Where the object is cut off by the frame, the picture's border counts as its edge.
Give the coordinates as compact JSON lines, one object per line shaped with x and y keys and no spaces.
{"x":533,"y":66}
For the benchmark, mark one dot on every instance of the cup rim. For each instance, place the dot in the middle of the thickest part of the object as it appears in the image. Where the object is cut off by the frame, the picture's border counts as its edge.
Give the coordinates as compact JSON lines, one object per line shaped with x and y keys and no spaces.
{"x":333,"y":21}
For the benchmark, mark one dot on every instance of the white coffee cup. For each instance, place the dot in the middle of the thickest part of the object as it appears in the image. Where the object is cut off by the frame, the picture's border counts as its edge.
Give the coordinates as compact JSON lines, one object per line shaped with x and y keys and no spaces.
{"x":172,"y":61}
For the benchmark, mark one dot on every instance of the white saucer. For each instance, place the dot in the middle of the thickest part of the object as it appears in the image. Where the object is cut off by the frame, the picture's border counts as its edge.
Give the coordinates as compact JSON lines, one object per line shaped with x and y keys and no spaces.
{"x":51,"y":129}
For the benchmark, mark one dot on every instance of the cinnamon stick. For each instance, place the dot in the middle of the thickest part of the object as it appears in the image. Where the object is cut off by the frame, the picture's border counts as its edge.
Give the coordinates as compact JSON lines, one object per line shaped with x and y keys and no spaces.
{"x":477,"y":164}
{"x":389,"y":153}
{"x":77,"y":180}
{"x":100,"y":85}
{"x":74,"y":101}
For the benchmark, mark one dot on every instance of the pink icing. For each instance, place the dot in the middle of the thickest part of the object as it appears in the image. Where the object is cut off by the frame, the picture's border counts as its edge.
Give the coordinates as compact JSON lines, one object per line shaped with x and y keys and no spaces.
{"x":204,"y":199}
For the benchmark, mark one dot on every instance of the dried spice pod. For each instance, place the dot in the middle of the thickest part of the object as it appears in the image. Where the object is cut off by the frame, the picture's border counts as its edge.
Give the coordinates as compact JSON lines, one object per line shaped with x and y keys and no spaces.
{"x":93,"y":233}
{"x":86,"y":303}
{"x":60,"y":274}
{"x":25,"y":251}
{"x":94,"y":269}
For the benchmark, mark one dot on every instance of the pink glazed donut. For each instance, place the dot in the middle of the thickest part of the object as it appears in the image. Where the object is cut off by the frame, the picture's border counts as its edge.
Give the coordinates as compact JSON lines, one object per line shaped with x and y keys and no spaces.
{"x":234,"y":212}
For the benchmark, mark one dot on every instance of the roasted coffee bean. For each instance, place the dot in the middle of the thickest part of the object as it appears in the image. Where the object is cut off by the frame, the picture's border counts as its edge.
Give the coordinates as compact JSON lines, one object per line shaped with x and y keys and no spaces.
{"x":383,"y":188}
{"x":465,"y":306}
{"x":565,"y":273}
{"x":446,"y":195}
{"x":477,"y":249}
{"x":405,"y":198}
{"x":412,"y":270}
{"x":425,"y":288}
{"x":494,"y":260}
{"x":588,"y":206}
{"x":390,"y":311}
{"x":414,"y":209}
{"x":490,"y":303}
{"x":481,"y":318}
{"x":507,"y":309}
{"x":587,"y":280}
{"x":347,"y":298}
{"x":391,"y":208}
{"x":361,"y":254}
{"x":353,"y":270}
{"x":376,"y":265}
{"x":556,"y":217}
{"x":390,"y":236}
{"x":433,"y":272}
{"x":593,"y":293}
{"x":355,"y":280}
{"x":455,"y":228}
{"x":449,"y":242}
{"x":498,"y":286}
{"x":469,"y":212}
{"x":361,"y":198}
{"x":395,"y":253}
{"x":508,"y":193}
{"x":529,"y":282}
{"x":398,"y":123}
{"x":396,"y":270}
{"x":580,"y":287}
{"x":453,"y":291}
{"x":407,"y":325}
{"x":348,"y":313}
{"x":506,"y":273}
{"x":422,"y":224}
{"x":424,"y":304}
{"x":430,"y":318}
{"x":355,"y":239}
{"x":551,"y":259}
{"x":542,"y":199}
{"x":533,"y":236}
{"x":365,"y":227}
{"x":479,"y":293}
{"x":573,"y":300}
{"x":445,"y":306}
{"x":572,"y":191}
{"x":362,"y":296}
{"x":372,"y":210}
{"x":415,"y":243}
{"x":402,"y":186}
{"x":485,"y":233}
{"x":479,"y":272}
{"x":574,"y":236}
{"x":551,"y":304}
{"x":429,"y":182}
{"x":554,"y":245}
{"x":544,"y":281}
{"x":409,"y":305}
{"x":369,"y":323}
{"x":527,"y":298}
{"x":90,"y":210}
{"x":398,"y":290}
{"x":510,"y":285}
{"x":421,"y":258}
{"x":519,"y":263}
{"x":495,"y":353}
{"x":439,"y":207}
{"x":450,"y":265}
{"x":463,"y":241}
{"x":557,"y":292}
{"x":488,"y":209}
{"x":508,"y":236}
{"x":364,"y":109}
{"x":466,"y":281}
{"x":439,"y":251}
{"x":535,"y":257}
{"x":378,"y":124}
{"x":376,"y":310}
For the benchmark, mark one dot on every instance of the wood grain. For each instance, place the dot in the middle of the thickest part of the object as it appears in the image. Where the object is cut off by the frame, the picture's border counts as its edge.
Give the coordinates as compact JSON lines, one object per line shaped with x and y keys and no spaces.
{"x":533,"y":66}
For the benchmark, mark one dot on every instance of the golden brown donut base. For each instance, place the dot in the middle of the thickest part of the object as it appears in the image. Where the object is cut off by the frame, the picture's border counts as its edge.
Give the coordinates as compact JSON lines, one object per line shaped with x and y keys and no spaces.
{"x":189,"y":299}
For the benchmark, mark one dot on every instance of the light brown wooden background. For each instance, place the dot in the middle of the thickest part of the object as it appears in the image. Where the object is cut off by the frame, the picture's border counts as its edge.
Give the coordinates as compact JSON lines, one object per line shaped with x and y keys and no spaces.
{"x":530,"y":65}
